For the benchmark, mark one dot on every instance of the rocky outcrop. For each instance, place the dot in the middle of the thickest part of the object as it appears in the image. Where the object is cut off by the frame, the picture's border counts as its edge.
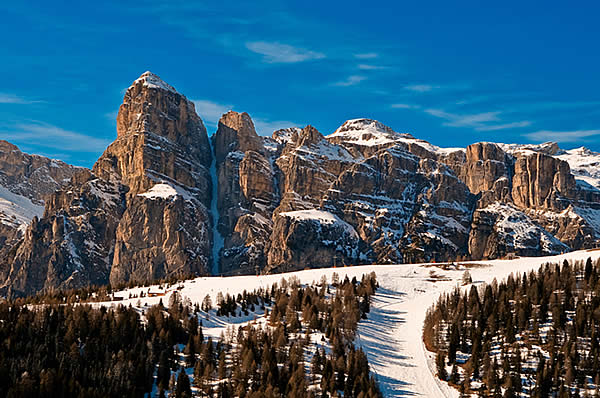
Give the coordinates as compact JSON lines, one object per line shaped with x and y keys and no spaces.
{"x":309,"y":164}
{"x":247,"y":193}
{"x":542,"y":182}
{"x":403,"y":208}
{"x":487,"y":171}
{"x":26,"y":181}
{"x":501,"y":229}
{"x":311,"y":239}
{"x":140,"y":214}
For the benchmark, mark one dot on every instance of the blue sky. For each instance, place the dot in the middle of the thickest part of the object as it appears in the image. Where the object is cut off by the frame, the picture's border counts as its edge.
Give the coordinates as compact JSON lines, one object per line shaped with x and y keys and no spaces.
{"x":452,"y":73}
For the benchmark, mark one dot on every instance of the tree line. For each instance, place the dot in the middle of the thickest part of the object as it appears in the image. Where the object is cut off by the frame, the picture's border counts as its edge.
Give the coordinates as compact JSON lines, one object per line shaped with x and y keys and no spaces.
{"x":534,"y":333}
{"x":303,"y":348}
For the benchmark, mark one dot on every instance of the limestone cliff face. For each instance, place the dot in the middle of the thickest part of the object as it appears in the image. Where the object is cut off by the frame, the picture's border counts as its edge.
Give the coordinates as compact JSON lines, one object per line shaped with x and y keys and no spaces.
{"x":542,"y":182}
{"x":71,"y":246}
{"x":309,"y":164}
{"x":297,"y":199}
{"x":311,"y":239}
{"x":140,"y":214}
{"x":247,"y":193}
{"x":487,"y":171}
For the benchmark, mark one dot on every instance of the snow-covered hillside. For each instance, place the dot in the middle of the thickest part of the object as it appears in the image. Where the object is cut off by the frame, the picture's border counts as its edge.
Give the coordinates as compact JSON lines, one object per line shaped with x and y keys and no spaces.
{"x":391,"y":336}
{"x":17,"y":210}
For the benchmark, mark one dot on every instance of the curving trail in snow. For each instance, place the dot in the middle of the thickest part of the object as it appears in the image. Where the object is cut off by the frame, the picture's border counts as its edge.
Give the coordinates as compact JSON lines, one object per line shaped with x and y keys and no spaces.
{"x":391,"y":336}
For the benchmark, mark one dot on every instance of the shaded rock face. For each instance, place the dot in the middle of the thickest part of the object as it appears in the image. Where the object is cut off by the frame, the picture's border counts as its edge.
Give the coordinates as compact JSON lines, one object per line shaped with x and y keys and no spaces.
{"x":247,"y":193}
{"x":309,"y":239}
{"x":140,"y":214}
{"x":26,"y":181}
{"x":404,"y":208}
{"x":309,"y":164}
{"x":72,"y":244}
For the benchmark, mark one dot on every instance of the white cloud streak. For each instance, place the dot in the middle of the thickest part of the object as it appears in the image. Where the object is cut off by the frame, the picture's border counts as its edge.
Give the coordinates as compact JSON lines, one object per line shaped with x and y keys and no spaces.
{"x":210,"y":111}
{"x":370,"y":67}
{"x":405,"y":106}
{"x":277,"y":53}
{"x":6,"y":98}
{"x":49,"y":136}
{"x":366,"y":55}
{"x":561,"y":136}
{"x":484,"y":121}
{"x":421,"y":88}
{"x":351,"y":81}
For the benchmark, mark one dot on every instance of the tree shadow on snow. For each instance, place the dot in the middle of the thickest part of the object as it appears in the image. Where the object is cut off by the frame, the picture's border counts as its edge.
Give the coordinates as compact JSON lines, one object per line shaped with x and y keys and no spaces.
{"x":376,"y":337}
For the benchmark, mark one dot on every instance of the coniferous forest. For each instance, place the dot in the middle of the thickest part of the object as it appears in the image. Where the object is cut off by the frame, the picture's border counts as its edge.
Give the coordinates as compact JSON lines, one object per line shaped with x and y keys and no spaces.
{"x":534,"y":335}
{"x":303,"y":349}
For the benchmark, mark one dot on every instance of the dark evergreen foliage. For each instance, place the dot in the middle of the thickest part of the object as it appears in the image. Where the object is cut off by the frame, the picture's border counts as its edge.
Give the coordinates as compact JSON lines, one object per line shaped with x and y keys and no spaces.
{"x":535,"y":334}
{"x":52,"y":350}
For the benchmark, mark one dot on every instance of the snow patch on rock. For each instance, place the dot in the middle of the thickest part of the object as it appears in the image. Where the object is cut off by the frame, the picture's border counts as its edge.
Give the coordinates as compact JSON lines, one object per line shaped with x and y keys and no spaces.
{"x":17,"y":210}
{"x":323,"y":217}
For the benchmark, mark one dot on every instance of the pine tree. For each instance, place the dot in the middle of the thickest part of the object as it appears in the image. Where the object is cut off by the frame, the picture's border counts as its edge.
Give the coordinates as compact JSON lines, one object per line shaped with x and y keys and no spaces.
{"x":440,"y":363}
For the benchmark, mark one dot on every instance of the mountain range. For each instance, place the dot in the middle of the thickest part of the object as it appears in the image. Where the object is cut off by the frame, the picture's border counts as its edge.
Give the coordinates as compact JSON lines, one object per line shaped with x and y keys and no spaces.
{"x":165,"y":200}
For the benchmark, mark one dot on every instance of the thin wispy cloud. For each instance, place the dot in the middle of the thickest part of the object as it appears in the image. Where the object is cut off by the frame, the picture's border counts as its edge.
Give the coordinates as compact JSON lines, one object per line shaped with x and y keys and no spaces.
{"x":484,"y":121}
{"x":50,"y":136}
{"x":351,"y":81}
{"x":544,"y":106}
{"x":471,"y":120}
{"x":405,"y":106}
{"x":211,"y":111}
{"x":267,"y":127}
{"x":366,"y":55}
{"x":275,"y":53}
{"x":513,"y":125}
{"x":112,"y":116}
{"x":561,"y":136}
{"x":370,"y":67}
{"x":421,"y":88}
{"x":6,"y":98}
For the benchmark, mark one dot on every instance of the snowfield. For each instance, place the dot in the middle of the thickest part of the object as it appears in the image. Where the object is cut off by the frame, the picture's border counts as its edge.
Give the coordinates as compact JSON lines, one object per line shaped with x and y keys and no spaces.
{"x":391,"y":336}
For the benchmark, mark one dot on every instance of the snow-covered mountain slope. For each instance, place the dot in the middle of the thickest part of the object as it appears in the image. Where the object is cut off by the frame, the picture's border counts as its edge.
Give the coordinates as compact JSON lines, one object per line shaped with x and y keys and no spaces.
{"x":371,"y":133}
{"x":16,"y":210}
{"x":391,"y":336}
{"x":25,"y":182}
{"x":584,"y":163}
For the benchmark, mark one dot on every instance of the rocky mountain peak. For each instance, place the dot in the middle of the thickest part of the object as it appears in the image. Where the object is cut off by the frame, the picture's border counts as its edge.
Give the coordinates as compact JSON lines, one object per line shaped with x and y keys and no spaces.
{"x":150,"y":80}
{"x":283,"y":136}
{"x":309,"y":136}
{"x":236,"y":133}
{"x":159,"y":137}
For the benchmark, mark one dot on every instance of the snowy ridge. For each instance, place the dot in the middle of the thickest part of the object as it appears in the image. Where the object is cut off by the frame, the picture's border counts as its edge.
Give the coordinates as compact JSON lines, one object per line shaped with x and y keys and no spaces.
{"x":391,"y":336}
{"x":368,"y":132}
{"x":322,"y":216}
{"x":584,"y":164}
{"x":151,"y":80}
{"x":17,"y":210}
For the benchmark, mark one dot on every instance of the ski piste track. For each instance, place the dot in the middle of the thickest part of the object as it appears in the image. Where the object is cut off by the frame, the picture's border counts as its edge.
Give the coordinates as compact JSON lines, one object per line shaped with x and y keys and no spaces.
{"x":392,"y":334}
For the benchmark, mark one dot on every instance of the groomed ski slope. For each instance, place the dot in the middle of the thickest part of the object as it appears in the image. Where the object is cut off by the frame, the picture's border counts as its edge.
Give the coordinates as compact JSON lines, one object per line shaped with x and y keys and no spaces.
{"x":391,"y":336}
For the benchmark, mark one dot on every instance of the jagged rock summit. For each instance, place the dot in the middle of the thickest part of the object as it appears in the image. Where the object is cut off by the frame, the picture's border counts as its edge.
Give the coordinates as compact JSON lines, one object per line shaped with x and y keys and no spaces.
{"x":140,"y":214}
{"x":162,"y":193}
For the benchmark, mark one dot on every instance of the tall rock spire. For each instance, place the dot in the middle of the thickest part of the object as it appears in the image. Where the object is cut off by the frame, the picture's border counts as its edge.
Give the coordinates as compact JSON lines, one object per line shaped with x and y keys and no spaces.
{"x":140,"y":215}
